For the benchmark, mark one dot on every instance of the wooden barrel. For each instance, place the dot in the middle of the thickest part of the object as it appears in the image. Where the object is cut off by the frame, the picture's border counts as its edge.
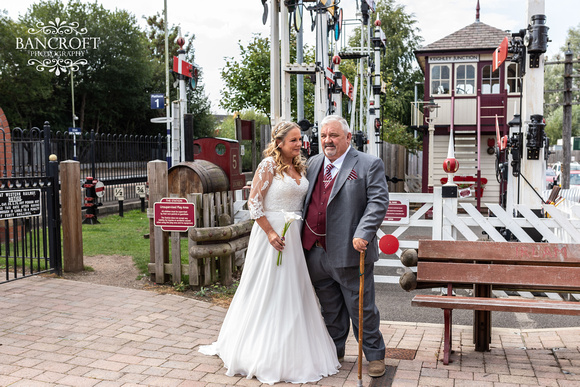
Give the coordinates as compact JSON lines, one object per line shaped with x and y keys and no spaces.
{"x":199,"y":176}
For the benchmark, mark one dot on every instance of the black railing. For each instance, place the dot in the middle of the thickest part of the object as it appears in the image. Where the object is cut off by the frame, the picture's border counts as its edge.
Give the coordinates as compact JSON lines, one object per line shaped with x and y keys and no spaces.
{"x":116,"y":160}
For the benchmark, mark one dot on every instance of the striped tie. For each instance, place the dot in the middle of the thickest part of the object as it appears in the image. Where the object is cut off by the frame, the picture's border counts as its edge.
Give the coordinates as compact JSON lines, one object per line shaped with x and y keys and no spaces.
{"x":328,"y":175}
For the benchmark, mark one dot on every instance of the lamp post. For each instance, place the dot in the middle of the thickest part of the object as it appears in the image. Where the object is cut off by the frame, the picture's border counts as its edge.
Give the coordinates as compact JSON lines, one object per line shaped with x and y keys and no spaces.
{"x":432,"y":107}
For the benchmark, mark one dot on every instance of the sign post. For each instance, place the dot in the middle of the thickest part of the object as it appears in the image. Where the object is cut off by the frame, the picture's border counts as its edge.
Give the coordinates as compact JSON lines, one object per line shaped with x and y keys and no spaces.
{"x":74,"y":132}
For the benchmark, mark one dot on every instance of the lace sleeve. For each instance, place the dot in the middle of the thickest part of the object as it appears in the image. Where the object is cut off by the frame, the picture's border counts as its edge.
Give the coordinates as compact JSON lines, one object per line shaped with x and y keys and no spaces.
{"x":260,"y":185}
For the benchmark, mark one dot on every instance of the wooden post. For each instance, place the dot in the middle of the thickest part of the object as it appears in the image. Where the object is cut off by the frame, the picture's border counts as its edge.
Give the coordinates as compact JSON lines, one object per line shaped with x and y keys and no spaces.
{"x":567,"y":120}
{"x":70,"y":178}
{"x":193,"y":269}
{"x":159,"y":241}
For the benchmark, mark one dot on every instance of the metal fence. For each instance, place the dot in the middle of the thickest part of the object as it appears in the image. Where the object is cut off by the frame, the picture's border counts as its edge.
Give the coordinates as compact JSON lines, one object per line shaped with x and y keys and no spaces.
{"x":116,"y":160}
{"x":29,"y":205}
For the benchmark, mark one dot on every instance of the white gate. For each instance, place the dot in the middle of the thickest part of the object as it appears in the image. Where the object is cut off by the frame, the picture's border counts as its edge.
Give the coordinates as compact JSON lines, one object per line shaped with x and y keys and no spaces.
{"x":438,"y":218}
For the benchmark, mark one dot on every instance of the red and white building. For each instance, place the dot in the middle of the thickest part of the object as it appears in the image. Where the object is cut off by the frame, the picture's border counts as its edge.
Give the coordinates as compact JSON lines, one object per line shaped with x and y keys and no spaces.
{"x":460,"y":81}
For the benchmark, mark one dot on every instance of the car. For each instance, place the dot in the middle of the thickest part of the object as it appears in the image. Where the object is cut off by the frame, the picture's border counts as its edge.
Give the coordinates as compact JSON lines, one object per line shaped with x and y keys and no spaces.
{"x":550,"y":177}
{"x":575,"y":179}
{"x":557,"y":167}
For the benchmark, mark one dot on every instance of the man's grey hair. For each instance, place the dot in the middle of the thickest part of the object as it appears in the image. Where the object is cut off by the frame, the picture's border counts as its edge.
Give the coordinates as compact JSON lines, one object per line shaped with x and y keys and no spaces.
{"x":335,"y":118}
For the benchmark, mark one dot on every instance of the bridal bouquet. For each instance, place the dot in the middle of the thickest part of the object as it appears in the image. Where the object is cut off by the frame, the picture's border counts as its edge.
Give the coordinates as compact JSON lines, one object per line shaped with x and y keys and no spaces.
{"x":289,"y":217}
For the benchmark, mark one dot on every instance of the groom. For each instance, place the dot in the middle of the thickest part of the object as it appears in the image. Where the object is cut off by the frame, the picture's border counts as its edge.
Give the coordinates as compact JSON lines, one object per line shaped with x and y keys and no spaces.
{"x":346,"y":203}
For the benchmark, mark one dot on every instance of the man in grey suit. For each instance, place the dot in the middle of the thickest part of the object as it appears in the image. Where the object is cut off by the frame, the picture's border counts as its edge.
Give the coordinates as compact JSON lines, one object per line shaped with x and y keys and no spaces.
{"x":346,"y":203}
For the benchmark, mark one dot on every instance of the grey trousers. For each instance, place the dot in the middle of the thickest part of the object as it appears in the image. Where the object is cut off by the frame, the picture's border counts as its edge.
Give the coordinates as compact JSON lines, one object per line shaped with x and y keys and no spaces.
{"x":337,"y":290}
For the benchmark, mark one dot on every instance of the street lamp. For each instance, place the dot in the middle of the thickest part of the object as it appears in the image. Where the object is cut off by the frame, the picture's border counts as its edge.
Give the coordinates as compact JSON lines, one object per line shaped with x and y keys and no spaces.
{"x":433,"y":108}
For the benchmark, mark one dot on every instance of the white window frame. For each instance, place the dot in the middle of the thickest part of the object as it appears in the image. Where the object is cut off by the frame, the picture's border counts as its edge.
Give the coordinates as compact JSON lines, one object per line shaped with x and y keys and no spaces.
{"x":491,"y":86}
{"x":449,"y":80}
{"x":465,"y":79}
{"x":516,"y":78}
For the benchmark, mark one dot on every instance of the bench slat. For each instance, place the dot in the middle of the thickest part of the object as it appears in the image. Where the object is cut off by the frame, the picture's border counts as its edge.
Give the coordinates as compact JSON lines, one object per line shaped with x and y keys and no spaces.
{"x":498,"y":304}
{"x":498,"y":274}
{"x":564,"y":253}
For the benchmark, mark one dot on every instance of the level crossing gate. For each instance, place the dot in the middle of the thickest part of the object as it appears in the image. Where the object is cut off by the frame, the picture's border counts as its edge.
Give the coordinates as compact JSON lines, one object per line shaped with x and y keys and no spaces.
{"x":438,"y":218}
{"x":29,"y":205}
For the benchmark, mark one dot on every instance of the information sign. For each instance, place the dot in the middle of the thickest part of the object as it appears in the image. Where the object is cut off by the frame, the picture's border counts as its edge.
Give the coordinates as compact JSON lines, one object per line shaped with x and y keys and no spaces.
{"x":157,"y":101}
{"x":174,"y":214}
{"x":100,"y":189}
{"x":74,"y":131}
{"x":140,"y":190}
{"x":397,"y":213}
{"x":19,"y":204}
{"x":119,"y":193}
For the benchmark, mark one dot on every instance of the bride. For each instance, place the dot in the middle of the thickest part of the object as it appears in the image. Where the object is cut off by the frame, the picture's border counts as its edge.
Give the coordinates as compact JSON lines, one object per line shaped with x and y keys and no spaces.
{"x":273,"y":329}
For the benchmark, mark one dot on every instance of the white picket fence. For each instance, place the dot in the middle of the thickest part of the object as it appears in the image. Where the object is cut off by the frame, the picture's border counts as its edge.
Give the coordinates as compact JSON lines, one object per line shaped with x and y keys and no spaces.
{"x":438,"y":218}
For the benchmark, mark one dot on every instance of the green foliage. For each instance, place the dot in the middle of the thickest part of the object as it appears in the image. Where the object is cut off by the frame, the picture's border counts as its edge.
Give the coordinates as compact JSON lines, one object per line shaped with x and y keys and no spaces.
{"x":248,"y":78}
{"x":111,"y":92}
{"x":199,"y":104}
{"x":554,"y":80}
{"x":228,"y":130}
{"x":396,"y":133}
{"x":398,"y":66}
{"x":119,"y":235}
{"x":554,"y":123}
{"x":179,"y":287}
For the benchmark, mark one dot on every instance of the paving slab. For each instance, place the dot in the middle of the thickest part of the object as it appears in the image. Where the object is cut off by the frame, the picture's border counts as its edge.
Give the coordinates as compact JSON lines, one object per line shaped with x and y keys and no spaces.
{"x":57,"y":332}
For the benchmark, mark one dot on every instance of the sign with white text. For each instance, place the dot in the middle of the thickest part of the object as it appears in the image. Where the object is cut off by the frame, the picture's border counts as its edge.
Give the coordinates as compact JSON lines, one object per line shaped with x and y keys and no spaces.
{"x":174,"y":214}
{"x":19,"y":204}
{"x":397,"y":213}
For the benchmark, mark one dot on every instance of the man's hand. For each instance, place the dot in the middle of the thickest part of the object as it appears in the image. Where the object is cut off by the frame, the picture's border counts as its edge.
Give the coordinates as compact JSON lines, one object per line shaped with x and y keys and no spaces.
{"x":359,"y":244}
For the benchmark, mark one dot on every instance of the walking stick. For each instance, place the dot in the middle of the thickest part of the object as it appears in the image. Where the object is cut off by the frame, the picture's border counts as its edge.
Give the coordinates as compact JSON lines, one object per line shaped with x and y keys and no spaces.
{"x":360,"y":315}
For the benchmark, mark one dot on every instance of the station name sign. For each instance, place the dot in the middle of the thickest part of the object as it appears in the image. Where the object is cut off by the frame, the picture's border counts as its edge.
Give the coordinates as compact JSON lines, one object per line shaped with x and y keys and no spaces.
{"x":19,"y":204}
{"x":454,"y":58}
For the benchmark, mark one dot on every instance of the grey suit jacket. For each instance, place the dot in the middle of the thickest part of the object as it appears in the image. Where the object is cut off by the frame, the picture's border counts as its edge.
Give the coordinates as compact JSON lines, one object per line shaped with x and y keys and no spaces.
{"x":356,"y":208}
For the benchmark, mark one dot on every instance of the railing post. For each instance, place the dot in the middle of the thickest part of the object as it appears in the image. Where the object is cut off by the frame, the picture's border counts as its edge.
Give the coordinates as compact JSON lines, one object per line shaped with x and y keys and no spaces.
{"x":53,"y":214}
{"x":46,"y":146}
{"x":93,"y":155}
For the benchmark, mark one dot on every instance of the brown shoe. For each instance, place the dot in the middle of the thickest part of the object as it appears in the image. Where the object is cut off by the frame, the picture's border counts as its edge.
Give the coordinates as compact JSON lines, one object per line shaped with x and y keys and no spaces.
{"x":377,"y":368}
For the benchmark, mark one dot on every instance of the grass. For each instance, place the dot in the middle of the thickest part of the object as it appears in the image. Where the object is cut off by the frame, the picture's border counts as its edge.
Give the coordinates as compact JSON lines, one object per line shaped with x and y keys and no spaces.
{"x":117,"y":235}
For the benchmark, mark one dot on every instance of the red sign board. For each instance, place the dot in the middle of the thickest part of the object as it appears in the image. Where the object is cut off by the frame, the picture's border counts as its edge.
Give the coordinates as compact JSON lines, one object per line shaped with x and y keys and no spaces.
{"x":398,"y":212}
{"x":500,"y":54}
{"x":185,"y":67}
{"x":347,"y":87}
{"x":174,"y":214}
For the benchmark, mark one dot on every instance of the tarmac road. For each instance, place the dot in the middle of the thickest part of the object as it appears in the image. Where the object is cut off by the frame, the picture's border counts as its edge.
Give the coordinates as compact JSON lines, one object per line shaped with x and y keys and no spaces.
{"x":395,"y":305}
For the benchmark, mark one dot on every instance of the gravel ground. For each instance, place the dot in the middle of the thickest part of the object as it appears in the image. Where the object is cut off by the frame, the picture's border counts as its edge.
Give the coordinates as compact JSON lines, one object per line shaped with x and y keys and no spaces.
{"x":113,"y":270}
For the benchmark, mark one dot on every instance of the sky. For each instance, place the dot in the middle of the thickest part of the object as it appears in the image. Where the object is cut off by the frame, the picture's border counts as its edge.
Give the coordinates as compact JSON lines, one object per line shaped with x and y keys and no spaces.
{"x":220,"y":25}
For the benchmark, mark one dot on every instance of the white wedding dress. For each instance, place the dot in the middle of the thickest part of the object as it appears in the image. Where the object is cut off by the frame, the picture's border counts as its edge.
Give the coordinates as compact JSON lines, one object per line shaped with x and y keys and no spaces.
{"x":274,"y":330}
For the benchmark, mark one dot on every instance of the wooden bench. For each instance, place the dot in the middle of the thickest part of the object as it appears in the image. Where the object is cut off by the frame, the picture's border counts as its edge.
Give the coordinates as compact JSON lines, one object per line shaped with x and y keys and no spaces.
{"x":484,"y":266}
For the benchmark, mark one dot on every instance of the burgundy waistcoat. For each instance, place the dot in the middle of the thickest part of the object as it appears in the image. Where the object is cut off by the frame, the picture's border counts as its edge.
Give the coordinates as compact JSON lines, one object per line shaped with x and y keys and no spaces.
{"x":316,"y":213}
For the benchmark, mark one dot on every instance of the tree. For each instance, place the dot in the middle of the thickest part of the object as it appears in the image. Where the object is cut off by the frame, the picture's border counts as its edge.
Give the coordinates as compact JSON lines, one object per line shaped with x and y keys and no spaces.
{"x":248,"y":78}
{"x":198,"y":103}
{"x":111,"y":89}
{"x":24,"y":89}
{"x":554,"y":80}
{"x":398,"y":67}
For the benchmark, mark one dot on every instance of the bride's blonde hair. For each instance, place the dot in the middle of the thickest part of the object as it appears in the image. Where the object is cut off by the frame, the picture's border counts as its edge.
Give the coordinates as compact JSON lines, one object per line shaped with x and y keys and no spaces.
{"x":279,"y":133}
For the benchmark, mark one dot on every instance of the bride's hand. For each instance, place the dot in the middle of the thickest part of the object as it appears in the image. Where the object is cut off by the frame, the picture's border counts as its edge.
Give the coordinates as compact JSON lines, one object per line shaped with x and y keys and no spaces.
{"x":276,"y":241}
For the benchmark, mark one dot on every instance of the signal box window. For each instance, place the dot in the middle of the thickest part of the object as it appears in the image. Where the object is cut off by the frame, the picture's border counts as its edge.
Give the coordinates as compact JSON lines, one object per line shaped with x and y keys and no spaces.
{"x":489,"y":81}
{"x":514,"y":84}
{"x":440,"y":79}
{"x":465,"y":79}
